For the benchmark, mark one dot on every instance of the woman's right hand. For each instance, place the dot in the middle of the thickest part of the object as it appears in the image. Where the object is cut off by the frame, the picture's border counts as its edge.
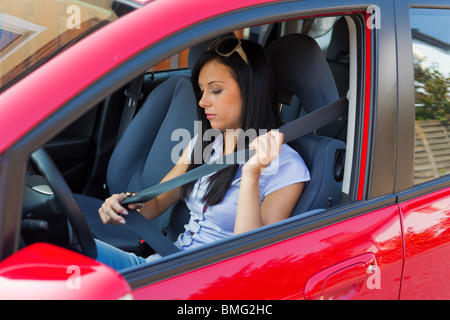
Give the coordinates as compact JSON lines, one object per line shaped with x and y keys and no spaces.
{"x":111,"y":210}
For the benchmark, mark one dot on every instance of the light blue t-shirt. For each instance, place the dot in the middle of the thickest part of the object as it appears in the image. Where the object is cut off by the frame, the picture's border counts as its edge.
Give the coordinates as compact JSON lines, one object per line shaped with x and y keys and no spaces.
{"x":212,"y":223}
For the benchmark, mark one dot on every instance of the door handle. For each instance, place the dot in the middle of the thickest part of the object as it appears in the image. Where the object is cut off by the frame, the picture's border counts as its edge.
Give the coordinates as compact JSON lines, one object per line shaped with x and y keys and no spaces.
{"x":343,"y":280}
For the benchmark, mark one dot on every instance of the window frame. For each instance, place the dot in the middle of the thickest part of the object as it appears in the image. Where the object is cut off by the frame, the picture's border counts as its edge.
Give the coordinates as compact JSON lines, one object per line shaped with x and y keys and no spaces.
{"x":265,"y":236}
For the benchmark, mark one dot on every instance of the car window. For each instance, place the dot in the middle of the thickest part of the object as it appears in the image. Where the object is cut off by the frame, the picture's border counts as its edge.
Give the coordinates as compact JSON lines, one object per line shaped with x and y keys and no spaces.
{"x":431,"y":50}
{"x":33,"y":32}
{"x":346,"y":134}
{"x":319,"y":28}
{"x":177,"y":61}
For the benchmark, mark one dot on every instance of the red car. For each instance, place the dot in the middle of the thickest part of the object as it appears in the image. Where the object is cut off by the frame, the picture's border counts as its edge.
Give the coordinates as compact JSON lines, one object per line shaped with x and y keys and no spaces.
{"x":373,"y":222}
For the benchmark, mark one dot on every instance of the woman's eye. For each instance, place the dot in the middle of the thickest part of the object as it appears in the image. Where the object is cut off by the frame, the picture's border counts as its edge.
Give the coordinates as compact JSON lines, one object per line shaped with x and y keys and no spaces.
{"x":216,"y":91}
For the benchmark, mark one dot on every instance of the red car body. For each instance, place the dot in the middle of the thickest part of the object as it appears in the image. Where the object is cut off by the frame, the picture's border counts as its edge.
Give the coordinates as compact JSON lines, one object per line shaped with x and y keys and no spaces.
{"x":391,"y":242}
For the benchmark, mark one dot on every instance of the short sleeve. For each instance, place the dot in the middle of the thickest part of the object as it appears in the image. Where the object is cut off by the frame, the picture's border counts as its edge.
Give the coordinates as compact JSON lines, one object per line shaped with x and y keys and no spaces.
{"x":288,"y":168}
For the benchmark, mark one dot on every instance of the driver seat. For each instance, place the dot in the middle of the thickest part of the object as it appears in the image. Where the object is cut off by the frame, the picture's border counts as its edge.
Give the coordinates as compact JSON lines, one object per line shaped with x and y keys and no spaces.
{"x":142,"y":156}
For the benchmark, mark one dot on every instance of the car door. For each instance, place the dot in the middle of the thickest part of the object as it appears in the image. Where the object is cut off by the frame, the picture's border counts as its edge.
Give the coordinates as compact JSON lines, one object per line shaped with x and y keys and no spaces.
{"x":358,"y":258}
{"x":352,"y":251}
{"x":425,"y":199}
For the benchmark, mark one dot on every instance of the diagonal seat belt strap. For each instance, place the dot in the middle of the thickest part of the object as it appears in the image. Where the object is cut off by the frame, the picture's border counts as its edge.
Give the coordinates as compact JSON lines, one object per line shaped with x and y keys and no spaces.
{"x":292,"y":130}
{"x":314,"y":120}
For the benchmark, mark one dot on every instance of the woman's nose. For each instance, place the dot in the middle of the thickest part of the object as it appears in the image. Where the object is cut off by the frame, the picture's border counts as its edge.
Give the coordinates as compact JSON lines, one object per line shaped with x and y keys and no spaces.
{"x":203,"y":101}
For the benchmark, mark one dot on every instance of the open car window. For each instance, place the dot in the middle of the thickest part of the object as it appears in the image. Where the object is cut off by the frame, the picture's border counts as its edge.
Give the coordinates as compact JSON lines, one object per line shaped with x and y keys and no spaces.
{"x":345,"y":63}
{"x":335,"y":38}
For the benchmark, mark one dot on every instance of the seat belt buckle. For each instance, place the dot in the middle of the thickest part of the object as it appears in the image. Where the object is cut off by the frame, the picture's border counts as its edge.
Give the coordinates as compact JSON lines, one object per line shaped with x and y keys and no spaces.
{"x":145,"y":248}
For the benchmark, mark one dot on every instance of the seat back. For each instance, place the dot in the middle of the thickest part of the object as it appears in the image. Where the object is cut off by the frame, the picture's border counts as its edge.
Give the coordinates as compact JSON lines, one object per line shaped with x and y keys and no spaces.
{"x":142,"y":156}
{"x":302,"y":72}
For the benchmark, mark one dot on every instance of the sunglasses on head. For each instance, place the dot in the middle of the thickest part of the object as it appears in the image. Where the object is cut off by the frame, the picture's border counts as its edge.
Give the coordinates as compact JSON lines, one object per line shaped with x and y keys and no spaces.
{"x":227,"y":46}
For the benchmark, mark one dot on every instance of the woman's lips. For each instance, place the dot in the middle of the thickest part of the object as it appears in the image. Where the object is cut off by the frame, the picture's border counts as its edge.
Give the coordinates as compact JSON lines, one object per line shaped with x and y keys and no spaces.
{"x":210,"y":116}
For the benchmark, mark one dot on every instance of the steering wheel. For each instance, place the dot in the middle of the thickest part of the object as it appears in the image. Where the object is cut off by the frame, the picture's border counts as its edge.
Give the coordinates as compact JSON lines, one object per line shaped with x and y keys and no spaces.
{"x":66,"y":201}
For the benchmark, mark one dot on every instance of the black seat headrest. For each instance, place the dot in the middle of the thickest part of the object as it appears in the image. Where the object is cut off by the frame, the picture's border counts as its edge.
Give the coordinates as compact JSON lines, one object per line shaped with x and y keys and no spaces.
{"x":301,"y":70}
{"x":338,"y":49}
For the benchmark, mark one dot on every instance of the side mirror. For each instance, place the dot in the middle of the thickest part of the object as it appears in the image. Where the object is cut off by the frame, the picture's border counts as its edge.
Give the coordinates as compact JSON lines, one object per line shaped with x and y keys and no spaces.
{"x":45,"y":271}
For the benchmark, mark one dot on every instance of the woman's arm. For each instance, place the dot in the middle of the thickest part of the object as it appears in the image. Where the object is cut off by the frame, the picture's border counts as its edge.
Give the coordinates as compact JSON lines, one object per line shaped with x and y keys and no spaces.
{"x":276,"y":206}
{"x":111,"y":210}
{"x":158,"y":205}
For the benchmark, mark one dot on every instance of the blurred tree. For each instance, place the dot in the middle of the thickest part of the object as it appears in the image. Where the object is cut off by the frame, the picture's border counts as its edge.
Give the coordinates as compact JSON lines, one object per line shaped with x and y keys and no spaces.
{"x":432,"y":94}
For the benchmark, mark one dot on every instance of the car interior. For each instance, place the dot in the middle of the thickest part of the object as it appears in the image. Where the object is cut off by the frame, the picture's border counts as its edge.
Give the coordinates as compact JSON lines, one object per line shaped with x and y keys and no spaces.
{"x":315,"y":60}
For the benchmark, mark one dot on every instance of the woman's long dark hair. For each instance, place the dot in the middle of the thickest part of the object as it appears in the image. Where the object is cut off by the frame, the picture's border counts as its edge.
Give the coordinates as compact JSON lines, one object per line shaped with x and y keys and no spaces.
{"x":259,"y":109}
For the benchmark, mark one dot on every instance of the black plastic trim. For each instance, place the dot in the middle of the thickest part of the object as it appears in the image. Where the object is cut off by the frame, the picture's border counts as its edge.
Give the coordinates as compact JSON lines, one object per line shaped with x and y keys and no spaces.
{"x":424,"y":189}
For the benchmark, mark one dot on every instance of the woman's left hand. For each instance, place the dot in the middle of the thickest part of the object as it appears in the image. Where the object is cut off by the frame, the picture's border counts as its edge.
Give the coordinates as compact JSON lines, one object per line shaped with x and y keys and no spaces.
{"x":267,"y":147}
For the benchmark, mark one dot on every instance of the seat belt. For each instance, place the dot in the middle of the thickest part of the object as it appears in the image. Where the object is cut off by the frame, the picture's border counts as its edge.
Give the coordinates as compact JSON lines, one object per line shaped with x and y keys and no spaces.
{"x":291,"y":130}
{"x":133,"y":95}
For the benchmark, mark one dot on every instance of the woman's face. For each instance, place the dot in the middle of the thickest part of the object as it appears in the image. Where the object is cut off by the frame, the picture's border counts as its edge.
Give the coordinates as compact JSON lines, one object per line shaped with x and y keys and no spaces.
{"x":220,"y":96}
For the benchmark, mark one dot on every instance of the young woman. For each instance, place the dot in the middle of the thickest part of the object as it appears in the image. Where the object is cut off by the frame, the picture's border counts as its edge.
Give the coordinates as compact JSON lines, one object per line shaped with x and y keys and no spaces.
{"x":235,"y":89}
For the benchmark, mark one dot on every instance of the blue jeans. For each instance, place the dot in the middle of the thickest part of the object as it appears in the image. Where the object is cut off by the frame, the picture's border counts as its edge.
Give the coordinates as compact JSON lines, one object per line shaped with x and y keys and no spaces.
{"x":116,"y":258}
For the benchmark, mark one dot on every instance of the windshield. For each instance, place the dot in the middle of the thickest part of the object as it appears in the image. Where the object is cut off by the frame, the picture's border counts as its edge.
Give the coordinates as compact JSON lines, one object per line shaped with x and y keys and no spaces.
{"x":32,"y":32}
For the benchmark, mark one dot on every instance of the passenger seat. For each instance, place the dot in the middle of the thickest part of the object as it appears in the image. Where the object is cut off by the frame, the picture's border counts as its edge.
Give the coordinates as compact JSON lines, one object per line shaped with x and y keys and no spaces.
{"x":302,"y":71}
